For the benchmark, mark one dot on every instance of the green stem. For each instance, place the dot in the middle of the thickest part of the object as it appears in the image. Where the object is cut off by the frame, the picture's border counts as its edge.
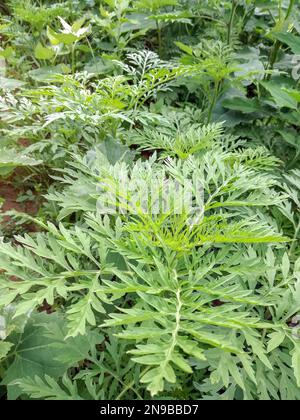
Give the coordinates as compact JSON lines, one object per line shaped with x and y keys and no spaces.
{"x":293,"y":247}
{"x":73,"y":57}
{"x":277,"y":44}
{"x":213,"y":101}
{"x":230,"y":23}
{"x":175,"y":332}
{"x":273,"y":57}
{"x":248,"y":16}
{"x":159,"y":40}
{"x":290,"y":9}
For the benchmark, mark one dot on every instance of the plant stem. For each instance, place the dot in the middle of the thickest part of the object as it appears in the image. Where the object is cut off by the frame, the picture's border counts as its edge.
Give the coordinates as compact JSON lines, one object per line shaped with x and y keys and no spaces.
{"x":213,"y":101}
{"x":247,"y":17}
{"x":73,"y":57}
{"x":273,"y":57}
{"x":230,"y":23}
{"x":277,"y":44}
{"x":293,"y":247}
{"x":290,"y":9}
{"x":159,"y":38}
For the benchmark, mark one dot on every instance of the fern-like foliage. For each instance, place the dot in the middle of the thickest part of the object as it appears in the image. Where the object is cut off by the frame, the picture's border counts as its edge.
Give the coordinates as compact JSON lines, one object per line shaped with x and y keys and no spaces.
{"x":77,"y":106}
{"x":190,"y":297}
{"x":49,"y":389}
{"x":178,"y":143}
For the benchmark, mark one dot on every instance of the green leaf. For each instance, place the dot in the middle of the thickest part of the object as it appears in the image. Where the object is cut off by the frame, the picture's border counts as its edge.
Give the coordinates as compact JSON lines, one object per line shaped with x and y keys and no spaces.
{"x":285,"y":266}
{"x":293,"y":93}
{"x":52,"y":35}
{"x":66,"y":39}
{"x":42,"y":349}
{"x":154,"y":4}
{"x":7,"y":52}
{"x":48,"y":73}
{"x":241,"y":104}
{"x":185,"y":48}
{"x":258,"y":349}
{"x":293,"y":41}
{"x":5,"y":347}
{"x":180,"y":362}
{"x":56,"y":38}
{"x":276,"y":338}
{"x":11,"y":159}
{"x":296,"y":362}
{"x":43,"y":53}
{"x":49,"y":388}
{"x":291,"y":137}
{"x":154,"y":379}
{"x":10,"y":84}
{"x":280,"y":96}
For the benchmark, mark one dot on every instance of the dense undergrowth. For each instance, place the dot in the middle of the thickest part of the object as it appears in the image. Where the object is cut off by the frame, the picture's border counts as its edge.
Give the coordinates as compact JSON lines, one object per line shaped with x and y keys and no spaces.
{"x":135,"y":304}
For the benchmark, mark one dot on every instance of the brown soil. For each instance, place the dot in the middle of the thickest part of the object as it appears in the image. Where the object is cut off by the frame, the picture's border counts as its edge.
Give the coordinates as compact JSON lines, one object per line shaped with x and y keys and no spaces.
{"x":10,"y":194}
{"x":24,"y":142}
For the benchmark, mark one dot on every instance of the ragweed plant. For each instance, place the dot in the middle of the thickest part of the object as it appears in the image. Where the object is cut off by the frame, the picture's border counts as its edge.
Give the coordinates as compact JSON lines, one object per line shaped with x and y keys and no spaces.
{"x":173,"y":269}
